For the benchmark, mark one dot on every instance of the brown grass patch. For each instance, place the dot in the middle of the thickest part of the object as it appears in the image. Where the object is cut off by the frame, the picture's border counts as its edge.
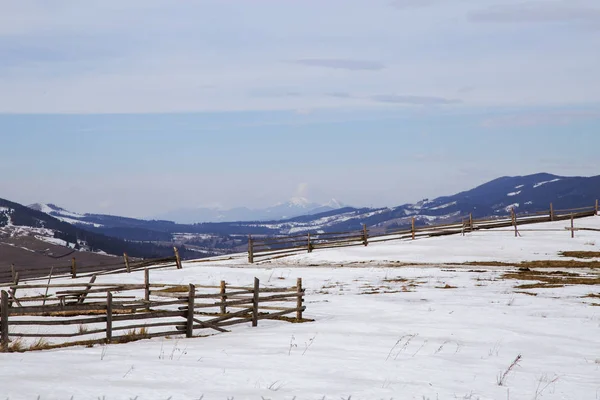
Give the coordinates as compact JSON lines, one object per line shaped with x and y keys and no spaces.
{"x":446,"y":287}
{"x":527,"y":293}
{"x":592,"y":296}
{"x":540,"y":263}
{"x":580,"y":254}
{"x":174,"y":289}
{"x":395,"y":280}
{"x":489,"y":264}
{"x":551,"y":279}
{"x":40,"y":344}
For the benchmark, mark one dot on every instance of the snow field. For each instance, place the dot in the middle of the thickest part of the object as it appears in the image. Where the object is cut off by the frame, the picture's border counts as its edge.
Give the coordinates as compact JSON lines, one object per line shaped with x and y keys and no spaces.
{"x":380,"y":332}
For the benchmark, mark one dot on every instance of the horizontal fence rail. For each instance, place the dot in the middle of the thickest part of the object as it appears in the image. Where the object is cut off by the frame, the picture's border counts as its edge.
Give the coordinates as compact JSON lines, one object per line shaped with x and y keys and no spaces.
{"x":282,"y":246}
{"x":124,"y":265}
{"x":89,"y":313}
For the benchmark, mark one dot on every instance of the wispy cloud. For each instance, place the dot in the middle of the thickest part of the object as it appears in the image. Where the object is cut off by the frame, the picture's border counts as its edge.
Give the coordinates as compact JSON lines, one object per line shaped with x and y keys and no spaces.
{"x":415,"y":100}
{"x":541,"y":118}
{"x":338,"y":63}
{"x":539,"y":11}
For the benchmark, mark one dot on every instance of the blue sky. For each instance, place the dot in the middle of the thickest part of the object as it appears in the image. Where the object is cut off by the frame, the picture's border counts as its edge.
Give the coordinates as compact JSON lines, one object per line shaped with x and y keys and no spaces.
{"x":140,"y":107}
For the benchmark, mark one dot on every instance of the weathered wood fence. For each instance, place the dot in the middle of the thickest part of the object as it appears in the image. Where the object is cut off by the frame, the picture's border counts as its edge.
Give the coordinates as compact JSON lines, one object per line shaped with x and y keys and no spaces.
{"x":108,"y":313}
{"x":121,"y":265}
{"x":281,"y":246}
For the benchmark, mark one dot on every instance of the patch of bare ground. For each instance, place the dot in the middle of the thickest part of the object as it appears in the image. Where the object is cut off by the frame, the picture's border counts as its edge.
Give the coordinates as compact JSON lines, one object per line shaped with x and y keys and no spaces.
{"x":580,"y":254}
{"x":538,"y":264}
{"x":446,"y":286}
{"x":592,"y":296}
{"x":549,"y":279}
{"x":527,"y":293}
{"x":174,"y":289}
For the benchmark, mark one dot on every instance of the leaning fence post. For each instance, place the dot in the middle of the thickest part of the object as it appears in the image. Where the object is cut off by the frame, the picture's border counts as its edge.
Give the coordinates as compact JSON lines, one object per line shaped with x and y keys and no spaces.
{"x":551,"y":212}
{"x":513,"y":217}
{"x":47,"y":286}
{"x":108,"y":317}
{"x":309,"y":245}
{"x":4,"y":320}
{"x":572,"y":227}
{"x":73,"y":268}
{"x":255,"y":302}
{"x":596,"y":208}
{"x":412,"y":228}
{"x":177,"y":258}
{"x":365,"y":235}
{"x":190,"y":312}
{"x":250,"y":249}
{"x":126,"y":259}
{"x":299,"y":299}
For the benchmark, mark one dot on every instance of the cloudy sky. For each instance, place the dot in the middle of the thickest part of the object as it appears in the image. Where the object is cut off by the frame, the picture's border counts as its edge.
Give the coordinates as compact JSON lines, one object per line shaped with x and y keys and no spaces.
{"x":137,"y":107}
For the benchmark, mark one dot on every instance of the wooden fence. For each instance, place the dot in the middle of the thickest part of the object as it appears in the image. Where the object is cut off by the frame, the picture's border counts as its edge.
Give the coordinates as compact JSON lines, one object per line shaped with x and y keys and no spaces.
{"x":19,"y":274}
{"x":281,"y":246}
{"x":103,"y":314}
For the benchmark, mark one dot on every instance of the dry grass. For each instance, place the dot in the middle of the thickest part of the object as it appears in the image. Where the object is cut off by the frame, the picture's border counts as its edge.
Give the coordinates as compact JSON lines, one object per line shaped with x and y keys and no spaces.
{"x":16,"y":346}
{"x":446,"y":286}
{"x":40,"y":344}
{"x":550,"y":279}
{"x":174,"y":289}
{"x":592,"y":296}
{"x":540,"y":263}
{"x":527,"y":293}
{"x":133,"y":335}
{"x":580,"y":254}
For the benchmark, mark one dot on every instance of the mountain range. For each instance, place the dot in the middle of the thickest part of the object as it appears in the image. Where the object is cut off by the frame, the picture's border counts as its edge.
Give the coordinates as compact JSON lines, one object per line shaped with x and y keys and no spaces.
{"x":294,"y":207}
{"x":144,"y":238}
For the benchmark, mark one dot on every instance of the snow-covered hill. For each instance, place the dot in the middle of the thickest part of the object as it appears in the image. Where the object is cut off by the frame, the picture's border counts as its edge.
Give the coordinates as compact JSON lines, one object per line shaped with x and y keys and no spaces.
{"x":381,"y":329}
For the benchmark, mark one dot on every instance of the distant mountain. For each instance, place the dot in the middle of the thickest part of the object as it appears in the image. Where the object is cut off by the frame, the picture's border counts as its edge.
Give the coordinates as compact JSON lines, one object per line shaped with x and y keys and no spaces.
{"x":294,"y":207}
{"x":530,"y":193}
{"x":38,"y":222}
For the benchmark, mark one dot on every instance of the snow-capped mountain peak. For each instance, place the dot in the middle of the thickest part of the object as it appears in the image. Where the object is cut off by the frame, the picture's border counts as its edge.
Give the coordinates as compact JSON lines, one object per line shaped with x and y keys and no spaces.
{"x":298,"y":202}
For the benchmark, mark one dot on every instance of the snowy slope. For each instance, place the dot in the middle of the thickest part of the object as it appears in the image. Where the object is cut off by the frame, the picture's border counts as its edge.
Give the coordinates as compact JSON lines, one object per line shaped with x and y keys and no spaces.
{"x":380,"y":332}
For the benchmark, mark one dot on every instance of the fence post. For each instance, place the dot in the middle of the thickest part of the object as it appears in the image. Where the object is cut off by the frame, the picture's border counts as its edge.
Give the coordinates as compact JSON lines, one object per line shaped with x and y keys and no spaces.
{"x":412,"y":228}
{"x":572,"y":227}
{"x":250,"y":249}
{"x":255,"y":303}
{"x":48,"y":286}
{"x":12,"y":271}
{"x":4,"y":321}
{"x":147,"y":286}
{"x":471,"y":222}
{"x":13,"y":291}
{"x":177,"y":258}
{"x":365,"y":235}
{"x":190,"y":312}
{"x":223,"y":297}
{"x":596,"y":209}
{"x":551,"y":212}
{"x":513,"y":217}
{"x":299,"y":299}
{"x":126,"y":259}
{"x":73,"y":268}
{"x":309,"y":245}
{"x":108,"y":317}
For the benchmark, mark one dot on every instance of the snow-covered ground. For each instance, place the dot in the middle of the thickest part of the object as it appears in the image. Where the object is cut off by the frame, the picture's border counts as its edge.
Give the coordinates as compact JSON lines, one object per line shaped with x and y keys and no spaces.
{"x":380,"y":331}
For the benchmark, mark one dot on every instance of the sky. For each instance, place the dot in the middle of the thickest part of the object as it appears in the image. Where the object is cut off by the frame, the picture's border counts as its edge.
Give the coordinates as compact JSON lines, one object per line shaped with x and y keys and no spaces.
{"x":140,"y":107}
